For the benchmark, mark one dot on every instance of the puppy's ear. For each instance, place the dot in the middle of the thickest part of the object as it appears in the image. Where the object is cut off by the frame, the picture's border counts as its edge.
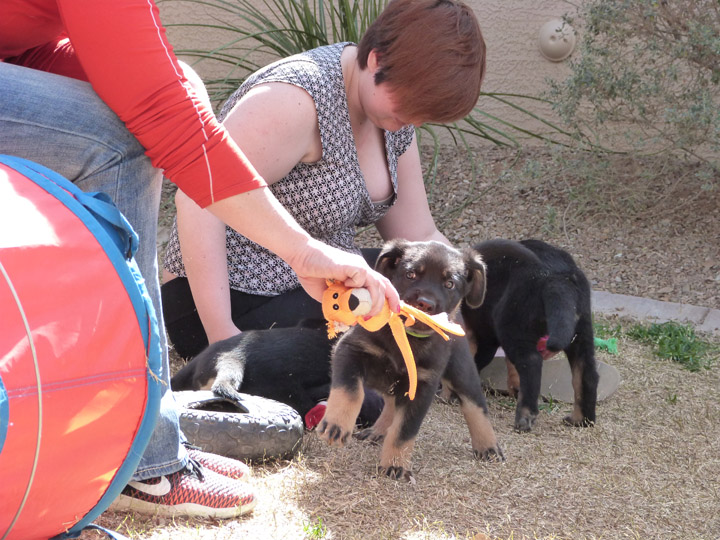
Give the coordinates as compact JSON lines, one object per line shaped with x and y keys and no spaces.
{"x":476,"y":278}
{"x":390,"y":255}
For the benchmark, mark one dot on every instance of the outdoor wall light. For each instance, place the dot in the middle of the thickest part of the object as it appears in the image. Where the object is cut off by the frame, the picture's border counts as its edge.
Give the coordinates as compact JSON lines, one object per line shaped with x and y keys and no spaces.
{"x":556,"y":40}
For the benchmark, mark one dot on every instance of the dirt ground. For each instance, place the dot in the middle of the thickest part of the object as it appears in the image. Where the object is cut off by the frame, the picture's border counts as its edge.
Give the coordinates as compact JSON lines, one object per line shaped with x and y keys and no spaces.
{"x":649,"y":469}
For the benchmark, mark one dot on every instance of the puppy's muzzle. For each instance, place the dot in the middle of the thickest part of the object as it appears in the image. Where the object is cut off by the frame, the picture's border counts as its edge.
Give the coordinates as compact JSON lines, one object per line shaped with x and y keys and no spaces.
{"x":423,"y":302}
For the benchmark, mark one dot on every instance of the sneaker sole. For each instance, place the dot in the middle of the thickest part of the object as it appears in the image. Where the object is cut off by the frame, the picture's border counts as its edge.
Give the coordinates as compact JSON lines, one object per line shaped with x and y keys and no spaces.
{"x":211,"y":464}
{"x":130,"y":504}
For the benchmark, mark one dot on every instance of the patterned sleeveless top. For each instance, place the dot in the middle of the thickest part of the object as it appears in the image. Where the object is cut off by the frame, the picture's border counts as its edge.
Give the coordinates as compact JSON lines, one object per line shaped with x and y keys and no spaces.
{"x":328,"y":198}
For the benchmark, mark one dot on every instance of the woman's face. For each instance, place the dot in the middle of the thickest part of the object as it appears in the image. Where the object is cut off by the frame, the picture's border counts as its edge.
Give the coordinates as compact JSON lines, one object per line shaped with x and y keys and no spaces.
{"x":378,"y":102}
{"x":381,"y":109}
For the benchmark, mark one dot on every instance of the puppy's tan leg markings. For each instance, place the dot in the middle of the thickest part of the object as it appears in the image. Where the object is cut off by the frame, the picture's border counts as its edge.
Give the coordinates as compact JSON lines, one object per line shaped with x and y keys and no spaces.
{"x":376,"y":433}
{"x":395,"y":455}
{"x":576,"y":418}
{"x":342,"y":409}
{"x":445,"y":394}
{"x":482,"y":435}
{"x":513,"y":379}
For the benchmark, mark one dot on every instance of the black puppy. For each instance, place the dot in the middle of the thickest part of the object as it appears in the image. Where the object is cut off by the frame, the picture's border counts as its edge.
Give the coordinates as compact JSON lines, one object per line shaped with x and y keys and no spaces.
{"x":537,"y":304}
{"x":289,"y":365}
{"x":434,"y":278}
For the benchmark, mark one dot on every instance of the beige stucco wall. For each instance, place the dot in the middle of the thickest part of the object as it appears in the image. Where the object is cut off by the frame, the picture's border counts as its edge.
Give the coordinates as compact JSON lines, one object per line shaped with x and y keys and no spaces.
{"x":514,"y":62}
{"x":510,"y":27}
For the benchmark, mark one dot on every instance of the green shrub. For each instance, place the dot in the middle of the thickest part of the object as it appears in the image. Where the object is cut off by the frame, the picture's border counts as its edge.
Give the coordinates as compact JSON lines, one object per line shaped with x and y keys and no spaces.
{"x":652,"y":65}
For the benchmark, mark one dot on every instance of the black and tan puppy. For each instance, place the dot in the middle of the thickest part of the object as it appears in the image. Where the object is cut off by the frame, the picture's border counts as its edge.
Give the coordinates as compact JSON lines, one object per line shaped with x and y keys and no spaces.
{"x":434,"y":278}
{"x":537,"y":304}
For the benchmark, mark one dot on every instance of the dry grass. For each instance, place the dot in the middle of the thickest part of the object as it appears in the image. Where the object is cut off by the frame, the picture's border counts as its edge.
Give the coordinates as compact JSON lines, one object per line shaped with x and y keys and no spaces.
{"x":649,"y":470}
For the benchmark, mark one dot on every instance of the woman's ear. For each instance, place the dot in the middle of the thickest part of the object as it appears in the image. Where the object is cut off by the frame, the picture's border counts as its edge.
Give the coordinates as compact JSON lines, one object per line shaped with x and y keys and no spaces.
{"x":372,"y":61}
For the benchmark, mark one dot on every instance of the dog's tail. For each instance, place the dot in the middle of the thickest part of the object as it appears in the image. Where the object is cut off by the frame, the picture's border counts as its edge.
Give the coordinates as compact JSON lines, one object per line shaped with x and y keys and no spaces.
{"x":560,"y":300}
{"x":230,"y":369}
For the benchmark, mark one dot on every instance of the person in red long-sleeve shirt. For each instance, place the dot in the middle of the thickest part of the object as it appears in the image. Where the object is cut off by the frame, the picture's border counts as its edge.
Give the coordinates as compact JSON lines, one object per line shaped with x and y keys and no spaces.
{"x":93,"y":90}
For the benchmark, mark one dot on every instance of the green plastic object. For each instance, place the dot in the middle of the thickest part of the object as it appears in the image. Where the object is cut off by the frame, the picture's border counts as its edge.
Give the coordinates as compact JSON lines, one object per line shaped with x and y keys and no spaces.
{"x":609,"y":345}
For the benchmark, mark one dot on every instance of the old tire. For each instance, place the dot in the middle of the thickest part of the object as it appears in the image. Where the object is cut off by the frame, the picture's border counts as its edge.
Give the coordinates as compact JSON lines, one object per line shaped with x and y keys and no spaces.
{"x":253,"y":428}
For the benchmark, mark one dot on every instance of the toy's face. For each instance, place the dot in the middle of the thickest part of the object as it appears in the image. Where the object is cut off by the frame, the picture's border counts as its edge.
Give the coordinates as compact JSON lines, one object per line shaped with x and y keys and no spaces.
{"x":341,"y":304}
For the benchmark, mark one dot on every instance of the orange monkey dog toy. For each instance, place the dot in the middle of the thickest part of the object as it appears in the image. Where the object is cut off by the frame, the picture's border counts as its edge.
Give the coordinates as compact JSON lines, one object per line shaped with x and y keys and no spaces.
{"x":344,"y":307}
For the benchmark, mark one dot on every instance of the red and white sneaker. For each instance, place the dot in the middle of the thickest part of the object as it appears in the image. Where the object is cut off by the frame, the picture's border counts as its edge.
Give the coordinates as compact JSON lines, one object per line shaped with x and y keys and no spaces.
{"x":189,"y":492}
{"x":232,"y":468}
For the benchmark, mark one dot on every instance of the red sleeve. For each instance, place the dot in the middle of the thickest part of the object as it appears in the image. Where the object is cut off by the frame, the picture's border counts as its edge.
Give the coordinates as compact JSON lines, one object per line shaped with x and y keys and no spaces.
{"x":125,"y":54}
{"x":56,"y":56}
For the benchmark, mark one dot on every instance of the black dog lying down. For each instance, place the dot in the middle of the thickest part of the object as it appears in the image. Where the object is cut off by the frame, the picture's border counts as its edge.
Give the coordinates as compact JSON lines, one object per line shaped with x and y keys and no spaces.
{"x":434,"y":278}
{"x":289,"y":365}
{"x":537,"y":304}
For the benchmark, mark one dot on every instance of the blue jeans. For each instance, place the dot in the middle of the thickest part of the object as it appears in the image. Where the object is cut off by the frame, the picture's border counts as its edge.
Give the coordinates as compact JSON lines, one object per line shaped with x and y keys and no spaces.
{"x":62,"y":123}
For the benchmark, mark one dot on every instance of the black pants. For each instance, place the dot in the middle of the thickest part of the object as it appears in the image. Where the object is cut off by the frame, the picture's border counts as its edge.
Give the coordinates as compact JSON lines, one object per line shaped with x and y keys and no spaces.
{"x":249,"y":311}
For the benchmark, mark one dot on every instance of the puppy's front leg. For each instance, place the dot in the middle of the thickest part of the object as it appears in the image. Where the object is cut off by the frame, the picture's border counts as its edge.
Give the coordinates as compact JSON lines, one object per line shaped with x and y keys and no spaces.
{"x":342,"y":409}
{"x":346,"y":396}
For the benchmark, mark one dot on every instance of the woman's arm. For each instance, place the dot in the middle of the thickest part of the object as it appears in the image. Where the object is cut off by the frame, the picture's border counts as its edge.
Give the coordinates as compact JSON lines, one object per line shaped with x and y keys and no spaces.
{"x":276,"y":126}
{"x":202,"y":240}
{"x":410,"y":216}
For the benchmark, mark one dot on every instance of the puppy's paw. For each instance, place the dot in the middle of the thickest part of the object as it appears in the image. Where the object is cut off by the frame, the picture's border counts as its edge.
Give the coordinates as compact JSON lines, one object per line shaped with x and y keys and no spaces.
{"x":493,"y":455}
{"x":584,"y":422}
{"x":369,"y":435}
{"x":398,"y":473}
{"x":333,"y":433}
{"x":524,"y":425}
{"x":524,"y":421}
